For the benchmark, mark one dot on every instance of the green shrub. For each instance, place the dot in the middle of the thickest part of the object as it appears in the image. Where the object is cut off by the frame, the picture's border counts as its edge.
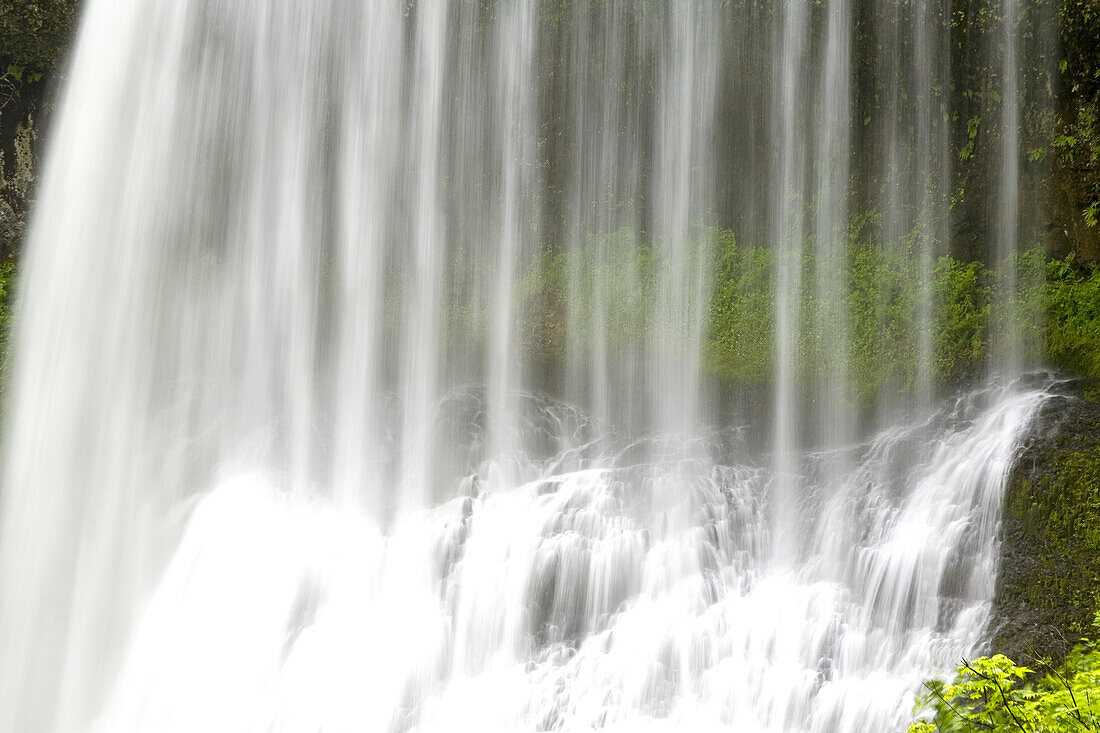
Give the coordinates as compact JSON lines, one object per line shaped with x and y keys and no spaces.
{"x":994,"y":694}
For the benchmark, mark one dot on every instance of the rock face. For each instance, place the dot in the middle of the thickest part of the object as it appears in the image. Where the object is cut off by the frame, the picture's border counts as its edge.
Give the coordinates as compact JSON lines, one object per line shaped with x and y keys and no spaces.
{"x":19,"y":155}
{"x":36,"y":33}
{"x":1049,"y":584}
{"x":34,"y":36}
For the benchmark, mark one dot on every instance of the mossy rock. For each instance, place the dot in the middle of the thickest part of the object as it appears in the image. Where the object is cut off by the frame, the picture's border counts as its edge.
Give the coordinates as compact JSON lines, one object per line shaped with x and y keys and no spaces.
{"x":1049,"y":586}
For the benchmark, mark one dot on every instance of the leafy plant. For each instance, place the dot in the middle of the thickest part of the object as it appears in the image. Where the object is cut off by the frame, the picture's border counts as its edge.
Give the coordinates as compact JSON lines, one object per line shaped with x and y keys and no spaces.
{"x":995,"y":694}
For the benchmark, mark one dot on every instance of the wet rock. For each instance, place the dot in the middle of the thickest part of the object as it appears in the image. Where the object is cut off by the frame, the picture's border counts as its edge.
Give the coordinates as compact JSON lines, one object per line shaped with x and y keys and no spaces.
{"x":1049,"y":584}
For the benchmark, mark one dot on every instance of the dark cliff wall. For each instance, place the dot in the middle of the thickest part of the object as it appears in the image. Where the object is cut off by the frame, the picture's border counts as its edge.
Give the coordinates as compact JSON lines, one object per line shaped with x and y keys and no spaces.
{"x":34,"y":38}
{"x":1060,"y":134}
{"x":1075,"y":198}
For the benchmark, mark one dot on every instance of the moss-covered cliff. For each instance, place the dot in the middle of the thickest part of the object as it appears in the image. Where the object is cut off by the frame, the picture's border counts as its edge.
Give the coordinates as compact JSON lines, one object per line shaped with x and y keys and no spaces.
{"x":1049,"y":587}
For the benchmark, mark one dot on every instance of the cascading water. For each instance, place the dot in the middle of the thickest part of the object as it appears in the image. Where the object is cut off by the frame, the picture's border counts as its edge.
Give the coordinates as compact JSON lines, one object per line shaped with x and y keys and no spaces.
{"x":249,"y":486}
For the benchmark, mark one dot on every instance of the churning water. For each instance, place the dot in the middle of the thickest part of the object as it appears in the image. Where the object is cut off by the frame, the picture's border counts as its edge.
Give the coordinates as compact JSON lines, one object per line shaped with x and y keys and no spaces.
{"x":248,"y":485}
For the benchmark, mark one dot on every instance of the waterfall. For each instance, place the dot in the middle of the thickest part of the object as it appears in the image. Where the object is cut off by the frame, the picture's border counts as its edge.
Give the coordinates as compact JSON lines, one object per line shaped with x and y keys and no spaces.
{"x":360,"y":379}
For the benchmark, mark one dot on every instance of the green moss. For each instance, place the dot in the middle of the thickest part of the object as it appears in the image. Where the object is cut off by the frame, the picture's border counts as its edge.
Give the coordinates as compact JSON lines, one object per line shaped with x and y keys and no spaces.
{"x":1063,"y":507}
{"x":1050,"y":569}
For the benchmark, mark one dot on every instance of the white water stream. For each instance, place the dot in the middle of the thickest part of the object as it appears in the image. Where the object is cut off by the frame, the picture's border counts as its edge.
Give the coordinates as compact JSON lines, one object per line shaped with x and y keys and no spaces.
{"x":568,"y":603}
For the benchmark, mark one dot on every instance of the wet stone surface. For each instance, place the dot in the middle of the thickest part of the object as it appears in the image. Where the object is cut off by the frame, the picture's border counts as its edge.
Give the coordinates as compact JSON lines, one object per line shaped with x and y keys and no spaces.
{"x":1050,"y":556}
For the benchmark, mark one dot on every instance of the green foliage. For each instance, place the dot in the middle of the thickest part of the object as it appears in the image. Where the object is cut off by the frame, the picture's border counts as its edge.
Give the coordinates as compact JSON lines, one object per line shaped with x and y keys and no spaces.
{"x":962,"y":300}
{"x":605,"y":291}
{"x":1073,"y":324}
{"x":741,"y":328}
{"x":613,"y":277}
{"x":15,"y":71}
{"x":995,"y":694}
{"x":1029,"y":308}
{"x":883,"y":303}
{"x":1054,"y":312}
{"x":541,"y":294}
{"x":881,"y":308}
{"x":1077,"y":143}
{"x":602,"y":291}
{"x":972,"y":126}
